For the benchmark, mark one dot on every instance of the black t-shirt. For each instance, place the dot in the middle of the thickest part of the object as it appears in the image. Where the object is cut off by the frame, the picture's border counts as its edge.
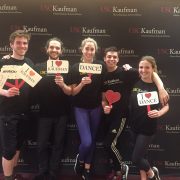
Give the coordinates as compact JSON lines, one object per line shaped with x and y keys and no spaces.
{"x":90,"y":95}
{"x":120,"y":81}
{"x":17,"y":104}
{"x":139,"y":120}
{"x":51,"y":98}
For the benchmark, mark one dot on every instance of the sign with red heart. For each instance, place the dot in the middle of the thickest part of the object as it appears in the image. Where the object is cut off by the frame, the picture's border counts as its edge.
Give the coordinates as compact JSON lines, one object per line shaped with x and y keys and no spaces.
{"x":31,"y":73}
{"x":112,"y":96}
{"x":147,"y":98}
{"x":58,"y":63}
{"x":57,"y":66}
{"x":148,"y":95}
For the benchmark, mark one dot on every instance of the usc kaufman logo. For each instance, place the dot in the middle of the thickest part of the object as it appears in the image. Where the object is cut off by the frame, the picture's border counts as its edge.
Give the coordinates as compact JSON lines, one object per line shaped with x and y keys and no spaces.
{"x":167,"y":164}
{"x":70,"y":52}
{"x":173,"y":11}
{"x":155,"y":147}
{"x":55,"y":9}
{"x":149,"y":32}
{"x":34,"y":30}
{"x":68,"y":161}
{"x":5,"y":49}
{"x":120,"y":11}
{"x":161,"y":74}
{"x":173,"y":91}
{"x":90,"y":31}
{"x":127,"y":53}
{"x":9,"y":9}
{"x":171,"y":52}
{"x":72,"y":127}
{"x":172,"y":164}
{"x":169,"y":128}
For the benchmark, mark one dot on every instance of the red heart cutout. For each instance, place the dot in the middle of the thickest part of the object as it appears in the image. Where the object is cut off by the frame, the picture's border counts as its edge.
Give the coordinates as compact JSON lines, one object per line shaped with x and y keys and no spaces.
{"x":31,"y":73}
{"x":58,"y":63}
{"x":112,"y":96}
{"x":148,"y":95}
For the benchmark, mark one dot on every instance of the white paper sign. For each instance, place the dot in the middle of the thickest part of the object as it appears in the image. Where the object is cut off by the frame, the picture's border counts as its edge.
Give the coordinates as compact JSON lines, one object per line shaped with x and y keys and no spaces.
{"x":90,"y":68}
{"x":29,"y":75}
{"x":57,"y":66}
{"x":11,"y":71}
{"x":147,"y":98}
{"x":3,"y":79}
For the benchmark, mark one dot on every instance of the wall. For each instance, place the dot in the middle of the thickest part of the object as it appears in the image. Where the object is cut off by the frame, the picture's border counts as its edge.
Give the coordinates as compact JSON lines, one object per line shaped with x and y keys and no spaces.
{"x":136,"y":27}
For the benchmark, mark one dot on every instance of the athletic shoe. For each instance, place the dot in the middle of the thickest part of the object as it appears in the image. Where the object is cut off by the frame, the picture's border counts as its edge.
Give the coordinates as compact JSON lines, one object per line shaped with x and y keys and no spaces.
{"x":78,"y":167}
{"x":156,"y":173}
{"x":124,"y":171}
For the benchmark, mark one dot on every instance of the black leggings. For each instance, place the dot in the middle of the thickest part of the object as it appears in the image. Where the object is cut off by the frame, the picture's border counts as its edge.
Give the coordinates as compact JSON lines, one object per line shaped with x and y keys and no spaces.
{"x":139,"y":155}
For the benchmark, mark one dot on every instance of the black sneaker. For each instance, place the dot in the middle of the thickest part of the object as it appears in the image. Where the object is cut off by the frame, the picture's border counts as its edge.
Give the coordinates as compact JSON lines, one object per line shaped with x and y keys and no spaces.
{"x":78,"y":166}
{"x":124,"y":171}
{"x":156,"y":173}
{"x":86,"y":175}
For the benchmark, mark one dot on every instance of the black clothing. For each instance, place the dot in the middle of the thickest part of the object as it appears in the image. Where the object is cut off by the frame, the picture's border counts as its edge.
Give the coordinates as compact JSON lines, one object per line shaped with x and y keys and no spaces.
{"x":12,"y":113}
{"x":13,"y":132}
{"x":143,"y":128}
{"x":54,"y":108}
{"x":139,"y":120}
{"x":51,"y":98}
{"x":90,"y":96}
{"x":119,"y":81}
{"x":17,"y":104}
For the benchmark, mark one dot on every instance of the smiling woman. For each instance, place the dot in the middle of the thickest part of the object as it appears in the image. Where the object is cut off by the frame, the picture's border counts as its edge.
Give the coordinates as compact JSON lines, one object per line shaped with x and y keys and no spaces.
{"x":144,"y":113}
{"x":86,"y":91}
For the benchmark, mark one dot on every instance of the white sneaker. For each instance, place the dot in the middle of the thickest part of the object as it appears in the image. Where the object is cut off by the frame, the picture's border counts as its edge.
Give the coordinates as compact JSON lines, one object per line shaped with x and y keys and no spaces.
{"x":156,"y":173}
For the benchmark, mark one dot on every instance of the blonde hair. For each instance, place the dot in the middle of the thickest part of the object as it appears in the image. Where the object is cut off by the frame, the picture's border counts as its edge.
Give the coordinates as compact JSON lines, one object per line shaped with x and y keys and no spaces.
{"x":83,"y":43}
{"x":151,"y":60}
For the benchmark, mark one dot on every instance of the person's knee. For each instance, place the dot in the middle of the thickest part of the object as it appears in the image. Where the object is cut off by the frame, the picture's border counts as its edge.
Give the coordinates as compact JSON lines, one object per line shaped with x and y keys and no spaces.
{"x":87,"y":144}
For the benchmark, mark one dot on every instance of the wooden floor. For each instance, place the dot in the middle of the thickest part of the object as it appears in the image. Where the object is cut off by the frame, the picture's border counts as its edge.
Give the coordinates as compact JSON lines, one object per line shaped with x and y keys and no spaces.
{"x":130,"y":177}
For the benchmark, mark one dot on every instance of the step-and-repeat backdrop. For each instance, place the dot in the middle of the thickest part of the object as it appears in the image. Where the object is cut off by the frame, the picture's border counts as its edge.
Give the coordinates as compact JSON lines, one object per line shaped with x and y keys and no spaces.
{"x":136,"y":27}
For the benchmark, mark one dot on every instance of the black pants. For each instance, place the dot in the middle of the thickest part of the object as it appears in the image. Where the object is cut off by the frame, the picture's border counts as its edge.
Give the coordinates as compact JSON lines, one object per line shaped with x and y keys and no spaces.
{"x":139,"y":155}
{"x":49,"y":156}
{"x":114,"y":129}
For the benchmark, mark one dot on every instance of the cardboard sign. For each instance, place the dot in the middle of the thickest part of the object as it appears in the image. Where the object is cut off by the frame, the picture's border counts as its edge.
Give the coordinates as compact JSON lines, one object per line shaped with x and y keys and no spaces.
{"x":29,"y":75}
{"x":147,"y":98}
{"x":90,"y":68}
{"x":112,"y":96}
{"x":57,"y":66}
{"x":11,"y":71}
{"x":3,"y":79}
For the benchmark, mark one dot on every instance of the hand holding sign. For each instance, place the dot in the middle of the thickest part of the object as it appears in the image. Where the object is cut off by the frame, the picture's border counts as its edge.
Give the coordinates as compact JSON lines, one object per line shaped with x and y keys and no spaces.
{"x":147,"y":99}
{"x":112,"y":96}
{"x":86,"y":80}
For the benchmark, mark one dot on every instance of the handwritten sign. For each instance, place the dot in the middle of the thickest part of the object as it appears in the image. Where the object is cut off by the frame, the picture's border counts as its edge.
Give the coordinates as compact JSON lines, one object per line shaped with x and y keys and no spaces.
{"x":90,"y":68}
{"x":29,"y":75}
{"x":57,"y":66}
{"x":11,"y":71}
{"x":147,"y":98}
{"x":3,"y":79}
